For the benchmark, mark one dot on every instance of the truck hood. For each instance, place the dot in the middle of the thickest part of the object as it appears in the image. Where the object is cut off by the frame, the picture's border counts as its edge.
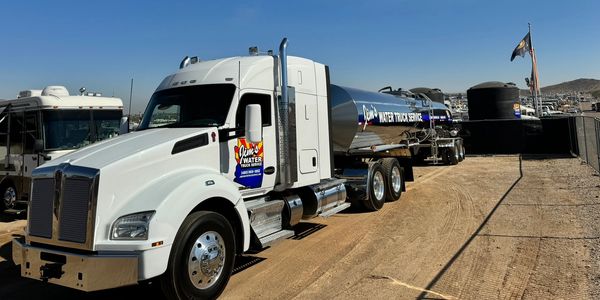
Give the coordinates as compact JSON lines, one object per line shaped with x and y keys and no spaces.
{"x":135,"y":145}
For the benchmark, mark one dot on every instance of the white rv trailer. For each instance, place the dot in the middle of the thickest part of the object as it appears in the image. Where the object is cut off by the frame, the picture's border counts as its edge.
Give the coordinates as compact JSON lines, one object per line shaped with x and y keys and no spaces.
{"x":41,"y":125}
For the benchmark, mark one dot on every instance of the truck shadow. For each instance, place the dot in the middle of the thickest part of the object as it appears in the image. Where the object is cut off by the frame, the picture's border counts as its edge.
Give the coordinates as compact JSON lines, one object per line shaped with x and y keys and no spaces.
{"x":6,"y":218}
{"x":304,"y":229}
{"x":243,"y":262}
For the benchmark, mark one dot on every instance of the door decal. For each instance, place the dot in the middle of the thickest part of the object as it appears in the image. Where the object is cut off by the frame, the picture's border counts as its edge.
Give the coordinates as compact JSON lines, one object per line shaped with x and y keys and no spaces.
{"x":249,"y":168}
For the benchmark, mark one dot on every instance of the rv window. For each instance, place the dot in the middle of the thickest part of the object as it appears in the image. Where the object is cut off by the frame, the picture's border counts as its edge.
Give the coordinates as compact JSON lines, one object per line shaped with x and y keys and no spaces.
{"x":72,"y":129}
{"x":32,"y":131}
{"x":67,"y":129}
{"x":3,"y":135}
{"x":17,"y":129}
{"x":106,"y":123}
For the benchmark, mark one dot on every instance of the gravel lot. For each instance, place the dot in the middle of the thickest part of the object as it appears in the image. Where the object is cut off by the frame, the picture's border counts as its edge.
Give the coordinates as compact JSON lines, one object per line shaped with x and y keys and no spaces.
{"x":490,"y":227}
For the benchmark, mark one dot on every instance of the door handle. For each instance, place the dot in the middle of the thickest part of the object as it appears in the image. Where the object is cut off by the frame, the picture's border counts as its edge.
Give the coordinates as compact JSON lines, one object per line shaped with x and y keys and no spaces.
{"x":269,"y":170}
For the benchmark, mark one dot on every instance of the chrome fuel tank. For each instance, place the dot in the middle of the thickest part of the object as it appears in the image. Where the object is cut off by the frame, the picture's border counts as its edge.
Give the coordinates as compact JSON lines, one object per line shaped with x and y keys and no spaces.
{"x":362,"y":119}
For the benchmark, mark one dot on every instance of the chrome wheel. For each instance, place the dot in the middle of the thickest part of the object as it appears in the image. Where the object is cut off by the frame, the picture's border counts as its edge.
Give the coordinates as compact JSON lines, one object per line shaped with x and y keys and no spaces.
{"x":9,"y":197}
{"x":378,"y":185}
{"x":206,"y":260}
{"x":396,"y":179}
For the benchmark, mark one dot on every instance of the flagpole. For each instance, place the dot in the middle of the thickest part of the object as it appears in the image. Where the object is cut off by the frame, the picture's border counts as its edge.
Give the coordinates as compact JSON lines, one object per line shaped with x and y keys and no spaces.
{"x":534,"y":81}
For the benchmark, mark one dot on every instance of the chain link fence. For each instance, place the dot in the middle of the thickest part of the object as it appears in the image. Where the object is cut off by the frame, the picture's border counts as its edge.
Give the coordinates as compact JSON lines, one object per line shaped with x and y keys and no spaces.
{"x":586,"y":131}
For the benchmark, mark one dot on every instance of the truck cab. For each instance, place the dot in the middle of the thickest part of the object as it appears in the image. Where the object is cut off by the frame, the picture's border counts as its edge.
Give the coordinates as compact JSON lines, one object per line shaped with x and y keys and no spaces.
{"x":126,"y":201}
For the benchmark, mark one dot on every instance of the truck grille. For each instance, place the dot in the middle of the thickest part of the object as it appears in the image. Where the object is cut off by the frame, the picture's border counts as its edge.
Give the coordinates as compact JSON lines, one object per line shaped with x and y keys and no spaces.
{"x":40,"y":210}
{"x":74,"y":213}
{"x":62,"y":206}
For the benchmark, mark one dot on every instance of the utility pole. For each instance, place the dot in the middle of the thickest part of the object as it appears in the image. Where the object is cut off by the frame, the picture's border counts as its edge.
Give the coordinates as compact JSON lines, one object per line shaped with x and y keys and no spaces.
{"x":129,"y":112}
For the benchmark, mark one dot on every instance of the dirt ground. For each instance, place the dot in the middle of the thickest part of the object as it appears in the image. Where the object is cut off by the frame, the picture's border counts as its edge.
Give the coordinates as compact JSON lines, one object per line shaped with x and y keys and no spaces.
{"x":495,"y":227}
{"x":586,"y":109}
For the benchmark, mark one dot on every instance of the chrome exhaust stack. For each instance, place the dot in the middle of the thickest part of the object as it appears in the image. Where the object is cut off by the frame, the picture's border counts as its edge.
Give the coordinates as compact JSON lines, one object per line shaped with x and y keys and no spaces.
{"x":287,"y":116}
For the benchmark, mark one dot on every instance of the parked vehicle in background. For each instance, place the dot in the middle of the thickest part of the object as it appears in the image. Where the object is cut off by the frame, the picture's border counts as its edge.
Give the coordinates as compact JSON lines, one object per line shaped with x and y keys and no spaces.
{"x":41,"y":125}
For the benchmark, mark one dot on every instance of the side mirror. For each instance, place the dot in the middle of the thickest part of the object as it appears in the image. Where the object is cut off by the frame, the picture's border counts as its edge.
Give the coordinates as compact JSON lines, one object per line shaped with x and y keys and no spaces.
{"x":253,"y":123}
{"x":124,"y":126}
{"x":38,"y":146}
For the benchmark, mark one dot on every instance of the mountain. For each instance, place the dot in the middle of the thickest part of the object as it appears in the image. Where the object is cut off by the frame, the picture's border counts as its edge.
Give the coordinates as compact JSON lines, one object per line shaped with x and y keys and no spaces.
{"x":577,"y":85}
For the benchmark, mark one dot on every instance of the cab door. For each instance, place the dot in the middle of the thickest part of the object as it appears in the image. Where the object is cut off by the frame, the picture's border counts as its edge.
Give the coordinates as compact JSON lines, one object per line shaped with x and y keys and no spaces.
{"x":253,"y":165}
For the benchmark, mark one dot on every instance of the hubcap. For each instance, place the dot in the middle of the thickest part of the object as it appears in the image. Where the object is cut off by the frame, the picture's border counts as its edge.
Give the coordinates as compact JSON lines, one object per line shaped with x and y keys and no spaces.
{"x":10,"y":197}
{"x":396,"y":179}
{"x":378,"y":185}
{"x":206,"y":260}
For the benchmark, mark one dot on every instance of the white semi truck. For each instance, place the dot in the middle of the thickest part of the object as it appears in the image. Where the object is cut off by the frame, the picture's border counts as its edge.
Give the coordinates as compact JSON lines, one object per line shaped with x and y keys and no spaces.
{"x":231,"y":154}
{"x":45,"y":124}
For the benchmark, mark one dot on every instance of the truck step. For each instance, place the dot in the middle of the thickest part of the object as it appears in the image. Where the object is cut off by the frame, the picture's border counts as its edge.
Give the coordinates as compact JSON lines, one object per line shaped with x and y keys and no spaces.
{"x":335,"y":210}
{"x":279,"y":235}
{"x":14,"y":211}
{"x":328,"y":183}
{"x":265,"y":216}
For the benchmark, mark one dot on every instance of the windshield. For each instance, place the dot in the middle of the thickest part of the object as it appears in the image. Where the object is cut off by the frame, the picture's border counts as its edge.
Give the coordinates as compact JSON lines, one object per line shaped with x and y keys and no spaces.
{"x":190,"y":106}
{"x":72,"y":129}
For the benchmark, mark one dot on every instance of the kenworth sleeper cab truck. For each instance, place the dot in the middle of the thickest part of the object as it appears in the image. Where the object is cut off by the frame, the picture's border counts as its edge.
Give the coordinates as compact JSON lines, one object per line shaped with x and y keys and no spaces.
{"x":230,"y":155}
{"x":44,"y":124}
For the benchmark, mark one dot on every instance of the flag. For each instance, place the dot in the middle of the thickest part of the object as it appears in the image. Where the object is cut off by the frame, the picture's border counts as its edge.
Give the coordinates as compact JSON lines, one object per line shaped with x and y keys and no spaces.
{"x":523,"y":46}
{"x":535,"y":80}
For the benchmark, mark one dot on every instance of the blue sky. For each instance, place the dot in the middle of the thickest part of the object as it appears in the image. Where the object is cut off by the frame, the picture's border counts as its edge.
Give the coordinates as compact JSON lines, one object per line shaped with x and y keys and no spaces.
{"x":452,"y":45}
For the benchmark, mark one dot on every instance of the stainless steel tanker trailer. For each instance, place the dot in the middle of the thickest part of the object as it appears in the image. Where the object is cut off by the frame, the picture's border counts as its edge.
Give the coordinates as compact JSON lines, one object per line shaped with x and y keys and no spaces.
{"x":392,"y":120}
{"x":231,"y":155}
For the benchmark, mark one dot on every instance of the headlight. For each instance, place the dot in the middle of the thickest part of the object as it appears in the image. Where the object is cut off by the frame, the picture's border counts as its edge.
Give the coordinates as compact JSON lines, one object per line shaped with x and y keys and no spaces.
{"x":131,"y":227}
{"x":453,"y":132}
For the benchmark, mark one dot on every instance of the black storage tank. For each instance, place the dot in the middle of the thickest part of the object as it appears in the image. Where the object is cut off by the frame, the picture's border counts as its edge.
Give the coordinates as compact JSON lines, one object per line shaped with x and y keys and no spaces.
{"x":433,"y":94}
{"x":494,"y":100}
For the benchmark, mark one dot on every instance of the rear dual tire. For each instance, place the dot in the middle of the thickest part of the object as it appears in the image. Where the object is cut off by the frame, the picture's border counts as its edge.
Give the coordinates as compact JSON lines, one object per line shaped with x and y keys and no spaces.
{"x":376,"y":188}
{"x":451,"y":155}
{"x":394,"y":179}
{"x":384,"y":183}
{"x":461,"y":151}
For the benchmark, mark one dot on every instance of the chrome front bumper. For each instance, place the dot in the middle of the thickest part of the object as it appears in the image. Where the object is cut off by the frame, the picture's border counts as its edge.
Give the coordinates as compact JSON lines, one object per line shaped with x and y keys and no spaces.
{"x":82,"y":272}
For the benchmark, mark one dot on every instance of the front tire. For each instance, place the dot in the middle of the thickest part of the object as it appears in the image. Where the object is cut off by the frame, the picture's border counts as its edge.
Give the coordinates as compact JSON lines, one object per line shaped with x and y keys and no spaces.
{"x":393,"y":177}
{"x":201,"y":259}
